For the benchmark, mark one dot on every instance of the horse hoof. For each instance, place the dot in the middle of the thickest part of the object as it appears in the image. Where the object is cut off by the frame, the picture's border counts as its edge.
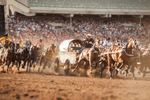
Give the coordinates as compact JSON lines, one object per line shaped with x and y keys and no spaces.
{"x":90,"y":72}
{"x":118,"y":70}
{"x":73,"y":70}
{"x":79,"y":74}
{"x":2,"y":69}
{"x":139,"y":73}
{"x":111,"y":78}
{"x":134,"y":78}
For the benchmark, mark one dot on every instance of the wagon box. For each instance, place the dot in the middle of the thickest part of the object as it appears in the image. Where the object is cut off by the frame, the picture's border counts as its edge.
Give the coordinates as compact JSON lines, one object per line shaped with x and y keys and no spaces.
{"x":63,"y":56}
{"x":67,"y":54}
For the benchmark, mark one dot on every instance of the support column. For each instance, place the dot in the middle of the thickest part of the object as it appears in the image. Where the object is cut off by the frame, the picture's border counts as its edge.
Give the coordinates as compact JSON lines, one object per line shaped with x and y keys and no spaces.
{"x":6,"y":8}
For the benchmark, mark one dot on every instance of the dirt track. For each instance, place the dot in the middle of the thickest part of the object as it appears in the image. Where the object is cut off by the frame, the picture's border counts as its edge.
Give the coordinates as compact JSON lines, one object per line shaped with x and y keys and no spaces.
{"x":26,"y":86}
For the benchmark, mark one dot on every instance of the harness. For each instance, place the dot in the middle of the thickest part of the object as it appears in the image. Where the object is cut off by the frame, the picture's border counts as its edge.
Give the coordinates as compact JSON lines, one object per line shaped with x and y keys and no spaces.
{"x":124,"y":49}
{"x":95,"y":51}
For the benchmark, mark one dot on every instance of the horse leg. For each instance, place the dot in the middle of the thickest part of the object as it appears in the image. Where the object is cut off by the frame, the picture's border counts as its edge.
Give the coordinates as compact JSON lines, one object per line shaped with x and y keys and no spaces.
{"x":137,"y":69}
{"x":117,"y":69}
{"x":103,"y":66}
{"x":4,"y":65}
{"x":34,"y":64}
{"x":23,"y":65}
{"x":132,"y":70}
{"x":100,"y":65}
{"x":144,"y":71}
{"x":13,"y":61}
{"x":41,"y":60}
{"x":90,"y":62}
{"x":109,"y":68}
{"x":28,"y":65}
{"x":120,"y":65}
{"x":18,"y":64}
{"x":76,"y":66}
{"x":45,"y":63}
{"x":8,"y":66}
{"x":126,"y":70}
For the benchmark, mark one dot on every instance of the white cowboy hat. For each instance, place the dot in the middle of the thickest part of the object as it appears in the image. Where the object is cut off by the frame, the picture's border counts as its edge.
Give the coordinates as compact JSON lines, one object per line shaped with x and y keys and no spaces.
{"x":88,"y":35}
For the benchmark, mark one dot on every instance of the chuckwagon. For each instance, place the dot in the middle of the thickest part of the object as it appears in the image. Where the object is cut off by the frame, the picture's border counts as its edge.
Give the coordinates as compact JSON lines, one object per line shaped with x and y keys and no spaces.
{"x":66,"y":57}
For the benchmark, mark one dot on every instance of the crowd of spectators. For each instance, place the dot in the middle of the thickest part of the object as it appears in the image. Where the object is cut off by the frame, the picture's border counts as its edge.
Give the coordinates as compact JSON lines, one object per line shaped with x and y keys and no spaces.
{"x":22,"y":28}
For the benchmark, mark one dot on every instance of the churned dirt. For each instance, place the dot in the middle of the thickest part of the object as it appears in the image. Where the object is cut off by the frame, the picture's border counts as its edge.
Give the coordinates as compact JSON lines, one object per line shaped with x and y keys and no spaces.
{"x":36,"y":86}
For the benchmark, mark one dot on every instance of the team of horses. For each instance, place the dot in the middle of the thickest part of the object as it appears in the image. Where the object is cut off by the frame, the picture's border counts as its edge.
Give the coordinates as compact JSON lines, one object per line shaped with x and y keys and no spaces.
{"x":27,"y":56}
{"x":115,"y":58}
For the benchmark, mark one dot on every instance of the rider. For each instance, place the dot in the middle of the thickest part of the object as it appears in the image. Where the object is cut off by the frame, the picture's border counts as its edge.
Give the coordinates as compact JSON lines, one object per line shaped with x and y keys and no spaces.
{"x":117,"y":42}
{"x":88,"y":42}
{"x":40,"y":43}
{"x":107,"y":43}
{"x":28,"y":43}
{"x":3,"y":39}
{"x":21,"y":44}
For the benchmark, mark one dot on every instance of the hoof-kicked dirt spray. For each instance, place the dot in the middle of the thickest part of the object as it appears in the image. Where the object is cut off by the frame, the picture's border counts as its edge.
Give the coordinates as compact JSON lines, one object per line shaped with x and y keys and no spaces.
{"x":46,"y":85}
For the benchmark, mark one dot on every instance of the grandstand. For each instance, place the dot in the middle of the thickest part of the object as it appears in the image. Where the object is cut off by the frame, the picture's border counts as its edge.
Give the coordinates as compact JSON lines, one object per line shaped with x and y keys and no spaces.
{"x":66,"y":19}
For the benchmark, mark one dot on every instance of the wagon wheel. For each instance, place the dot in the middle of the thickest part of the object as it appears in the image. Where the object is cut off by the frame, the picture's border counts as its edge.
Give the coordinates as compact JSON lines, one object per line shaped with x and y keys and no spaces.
{"x":67,"y":67}
{"x":56,"y":65}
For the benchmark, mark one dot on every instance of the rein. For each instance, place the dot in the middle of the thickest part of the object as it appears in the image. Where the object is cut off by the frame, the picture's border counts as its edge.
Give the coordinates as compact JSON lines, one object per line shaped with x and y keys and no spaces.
{"x":95,"y":51}
{"x":130,"y":55}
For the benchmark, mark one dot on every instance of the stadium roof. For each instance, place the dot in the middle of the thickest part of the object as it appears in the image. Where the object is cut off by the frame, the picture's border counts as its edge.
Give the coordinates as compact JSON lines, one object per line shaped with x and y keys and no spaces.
{"x":124,"y":7}
{"x":109,"y":7}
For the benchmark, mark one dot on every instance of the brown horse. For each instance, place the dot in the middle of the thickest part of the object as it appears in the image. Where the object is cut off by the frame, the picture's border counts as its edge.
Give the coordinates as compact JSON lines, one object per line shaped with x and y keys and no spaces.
{"x":145,"y":59}
{"x":121,"y":56}
{"x":3,"y":50}
{"x":8,"y":55}
{"x":47,"y":56}
{"x":33,"y":54}
{"x":102,"y":62}
{"x":89,"y":55}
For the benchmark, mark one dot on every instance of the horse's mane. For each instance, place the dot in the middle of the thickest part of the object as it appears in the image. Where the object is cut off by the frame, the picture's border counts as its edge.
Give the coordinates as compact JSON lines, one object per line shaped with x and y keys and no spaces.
{"x":126,"y":46}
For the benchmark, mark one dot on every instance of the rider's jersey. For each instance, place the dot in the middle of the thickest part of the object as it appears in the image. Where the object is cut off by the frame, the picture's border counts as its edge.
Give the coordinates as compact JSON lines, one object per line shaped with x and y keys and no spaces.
{"x":39,"y":43}
{"x":107,"y":44}
{"x":88,"y":43}
{"x":3,"y":39}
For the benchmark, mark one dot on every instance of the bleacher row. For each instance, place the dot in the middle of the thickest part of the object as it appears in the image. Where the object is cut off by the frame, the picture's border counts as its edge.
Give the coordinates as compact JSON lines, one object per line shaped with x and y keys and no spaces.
{"x":93,"y":4}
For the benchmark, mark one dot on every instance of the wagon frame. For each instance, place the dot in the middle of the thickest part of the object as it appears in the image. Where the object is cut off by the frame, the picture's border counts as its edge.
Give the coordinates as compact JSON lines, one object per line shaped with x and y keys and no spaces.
{"x":66,"y":57}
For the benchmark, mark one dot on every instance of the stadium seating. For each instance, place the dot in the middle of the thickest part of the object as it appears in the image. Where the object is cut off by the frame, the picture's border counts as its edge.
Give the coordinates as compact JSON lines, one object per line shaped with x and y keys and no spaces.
{"x":93,"y":4}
